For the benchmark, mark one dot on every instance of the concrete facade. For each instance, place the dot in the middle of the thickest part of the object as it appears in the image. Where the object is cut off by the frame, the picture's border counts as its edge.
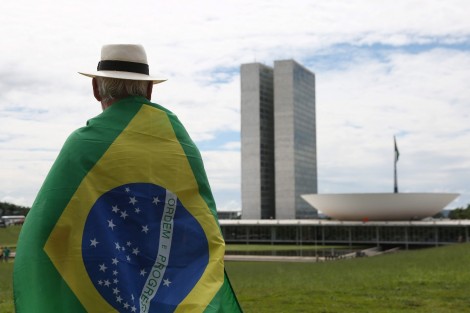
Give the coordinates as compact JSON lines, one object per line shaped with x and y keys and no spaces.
{"x":257,"y":141}
{"x":278,"y":140}
{"x":294,"y":139}
{"x":324,"y":232}
{"x":380,"y":206}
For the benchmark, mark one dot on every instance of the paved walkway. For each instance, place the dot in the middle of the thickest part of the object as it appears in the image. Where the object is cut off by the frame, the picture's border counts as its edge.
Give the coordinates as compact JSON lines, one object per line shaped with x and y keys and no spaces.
{"x":272,"y":258}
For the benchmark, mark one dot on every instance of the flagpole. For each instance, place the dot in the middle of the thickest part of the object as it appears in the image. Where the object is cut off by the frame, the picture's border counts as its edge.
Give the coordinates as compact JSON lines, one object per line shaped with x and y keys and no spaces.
{"x":396,"y":184}
{"x":395,"y":157}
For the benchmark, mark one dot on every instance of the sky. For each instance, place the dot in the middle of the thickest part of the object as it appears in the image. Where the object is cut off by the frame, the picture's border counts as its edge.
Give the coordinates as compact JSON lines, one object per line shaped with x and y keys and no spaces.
{"x":383,"y":69}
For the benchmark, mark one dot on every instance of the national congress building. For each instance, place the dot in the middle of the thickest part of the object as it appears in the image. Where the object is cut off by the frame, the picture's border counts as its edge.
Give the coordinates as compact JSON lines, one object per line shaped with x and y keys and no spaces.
{"x":279,"y":178}
{"x":278,"y":140}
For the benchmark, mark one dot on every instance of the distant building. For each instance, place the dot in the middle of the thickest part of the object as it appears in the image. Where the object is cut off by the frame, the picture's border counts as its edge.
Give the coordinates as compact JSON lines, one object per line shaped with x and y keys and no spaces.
{"x":257,"y":141}
{"x":7,"y":220}
{"x":278,"y":140}
{"x":391,"y":234}
{"x":380,"y":206}
{"x":229,"y":215}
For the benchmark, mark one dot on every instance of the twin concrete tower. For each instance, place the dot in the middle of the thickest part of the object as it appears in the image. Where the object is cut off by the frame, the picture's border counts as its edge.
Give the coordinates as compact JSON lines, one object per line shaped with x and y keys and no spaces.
{"x":278,"y":140}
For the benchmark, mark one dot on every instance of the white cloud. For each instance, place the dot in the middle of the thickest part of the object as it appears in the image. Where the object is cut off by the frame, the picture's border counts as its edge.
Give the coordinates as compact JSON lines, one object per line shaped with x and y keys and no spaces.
{"x":422,"y":98}
{"x":232,"y":145}
{"x":361,"y":102}
{"x":223,"y":171}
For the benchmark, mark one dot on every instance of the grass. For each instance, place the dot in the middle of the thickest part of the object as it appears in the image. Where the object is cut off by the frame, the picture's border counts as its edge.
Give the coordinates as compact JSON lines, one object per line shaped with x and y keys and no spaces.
{"x":6,"y":288}
{"x":431,"y":280}
{"x":8,"y":237}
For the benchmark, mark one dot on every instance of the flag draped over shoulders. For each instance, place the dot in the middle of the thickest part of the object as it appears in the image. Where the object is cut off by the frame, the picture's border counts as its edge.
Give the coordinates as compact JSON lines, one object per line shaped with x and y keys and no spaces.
{"x":124,"y":222}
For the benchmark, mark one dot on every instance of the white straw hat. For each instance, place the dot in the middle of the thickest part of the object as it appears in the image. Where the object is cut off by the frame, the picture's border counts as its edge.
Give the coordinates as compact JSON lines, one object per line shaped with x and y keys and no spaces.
{"x":124,"y":62}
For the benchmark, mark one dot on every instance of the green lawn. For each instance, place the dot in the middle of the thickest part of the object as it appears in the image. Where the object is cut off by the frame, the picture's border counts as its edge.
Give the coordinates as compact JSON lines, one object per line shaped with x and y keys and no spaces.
{"x":6,"y":289}
{"x":430,"y":280}
{"x":426,"y":281}
{"x":9,"y":236}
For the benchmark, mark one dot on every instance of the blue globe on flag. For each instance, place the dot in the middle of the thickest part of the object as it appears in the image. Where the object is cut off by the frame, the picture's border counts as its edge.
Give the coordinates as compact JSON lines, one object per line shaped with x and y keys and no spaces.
{"x":143,"y":251}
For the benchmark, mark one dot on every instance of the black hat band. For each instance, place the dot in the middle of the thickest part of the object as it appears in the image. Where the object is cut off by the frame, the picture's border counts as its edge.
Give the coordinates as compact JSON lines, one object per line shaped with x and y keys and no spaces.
{"x":123,"y":66}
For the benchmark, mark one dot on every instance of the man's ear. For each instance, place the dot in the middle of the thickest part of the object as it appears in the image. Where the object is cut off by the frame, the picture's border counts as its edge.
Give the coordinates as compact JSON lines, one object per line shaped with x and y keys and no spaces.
{"x":149,"y":90}
{"x":96,"y":92}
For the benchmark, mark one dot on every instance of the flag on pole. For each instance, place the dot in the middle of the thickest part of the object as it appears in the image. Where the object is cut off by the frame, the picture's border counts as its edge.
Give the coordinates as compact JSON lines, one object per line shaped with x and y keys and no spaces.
{"x":397,"y":154}
{"x":124,"y":222}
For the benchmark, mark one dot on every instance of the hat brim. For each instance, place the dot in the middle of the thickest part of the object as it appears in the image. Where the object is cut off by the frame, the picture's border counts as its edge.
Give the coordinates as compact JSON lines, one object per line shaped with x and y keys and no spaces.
{"x":124,"y":75}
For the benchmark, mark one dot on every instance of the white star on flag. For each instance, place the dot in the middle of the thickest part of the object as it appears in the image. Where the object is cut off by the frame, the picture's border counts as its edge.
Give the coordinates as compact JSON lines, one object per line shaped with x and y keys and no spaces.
{"x":127,"y":189}
{"x":135,"y":251}
{"x":143,"y":272}
{"x":166,"y":282}
{"x":124,"y":214}
{"x":132,"y":200}
{"x":155,"y":200}
{"x":103,"y":267}
{"x":115,"y":209}
{"x":94,"y":242}
{"x":137,"y":210}
{"x":111,"y":224}
{"x":115,"y":261}
{"x":107,"y":283}
{"x":145,"y":229}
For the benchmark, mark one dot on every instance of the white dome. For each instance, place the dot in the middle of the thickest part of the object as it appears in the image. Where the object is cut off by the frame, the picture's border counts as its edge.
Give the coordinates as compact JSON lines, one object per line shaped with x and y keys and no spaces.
{"x":380,"y":206}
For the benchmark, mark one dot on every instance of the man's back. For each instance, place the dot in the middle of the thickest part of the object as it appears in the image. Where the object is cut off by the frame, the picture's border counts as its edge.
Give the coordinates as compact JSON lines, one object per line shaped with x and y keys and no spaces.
{"x":124,"y":221}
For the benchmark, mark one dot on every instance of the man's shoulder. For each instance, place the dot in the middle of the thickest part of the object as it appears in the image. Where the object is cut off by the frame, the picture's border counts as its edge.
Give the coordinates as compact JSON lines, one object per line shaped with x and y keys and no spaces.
{"x":162,"y":108}
{"x":128,"y":107}
{"x":171,"y":116}
{"x":110,"y":123}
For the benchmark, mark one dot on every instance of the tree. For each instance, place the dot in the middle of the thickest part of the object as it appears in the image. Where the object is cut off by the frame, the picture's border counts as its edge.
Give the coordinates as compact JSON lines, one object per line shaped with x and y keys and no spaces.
{"x":12,"y":209}
{"x":460,"y":213}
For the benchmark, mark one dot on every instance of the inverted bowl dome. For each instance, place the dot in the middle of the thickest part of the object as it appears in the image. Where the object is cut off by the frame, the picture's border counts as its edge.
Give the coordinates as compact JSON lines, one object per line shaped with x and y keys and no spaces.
{"x":380,"y":206}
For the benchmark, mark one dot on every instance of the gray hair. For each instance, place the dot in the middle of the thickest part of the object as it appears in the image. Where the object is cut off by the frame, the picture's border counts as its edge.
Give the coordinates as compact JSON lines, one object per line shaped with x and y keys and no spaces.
{"x":112,"y":88}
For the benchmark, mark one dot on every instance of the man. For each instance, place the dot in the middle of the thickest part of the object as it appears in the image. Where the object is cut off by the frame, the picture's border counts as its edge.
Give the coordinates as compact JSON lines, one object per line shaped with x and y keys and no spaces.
{"x":125,"y":220}
{"x":6,"y":254}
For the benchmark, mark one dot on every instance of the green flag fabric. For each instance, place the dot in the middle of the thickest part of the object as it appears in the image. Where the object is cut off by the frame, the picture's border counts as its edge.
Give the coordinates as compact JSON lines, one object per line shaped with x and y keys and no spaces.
{"x":124,"y":222}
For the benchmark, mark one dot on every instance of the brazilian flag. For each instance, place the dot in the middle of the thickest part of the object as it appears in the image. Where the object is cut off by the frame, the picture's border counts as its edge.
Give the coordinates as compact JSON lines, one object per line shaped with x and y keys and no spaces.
{"x":124,"y":222}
